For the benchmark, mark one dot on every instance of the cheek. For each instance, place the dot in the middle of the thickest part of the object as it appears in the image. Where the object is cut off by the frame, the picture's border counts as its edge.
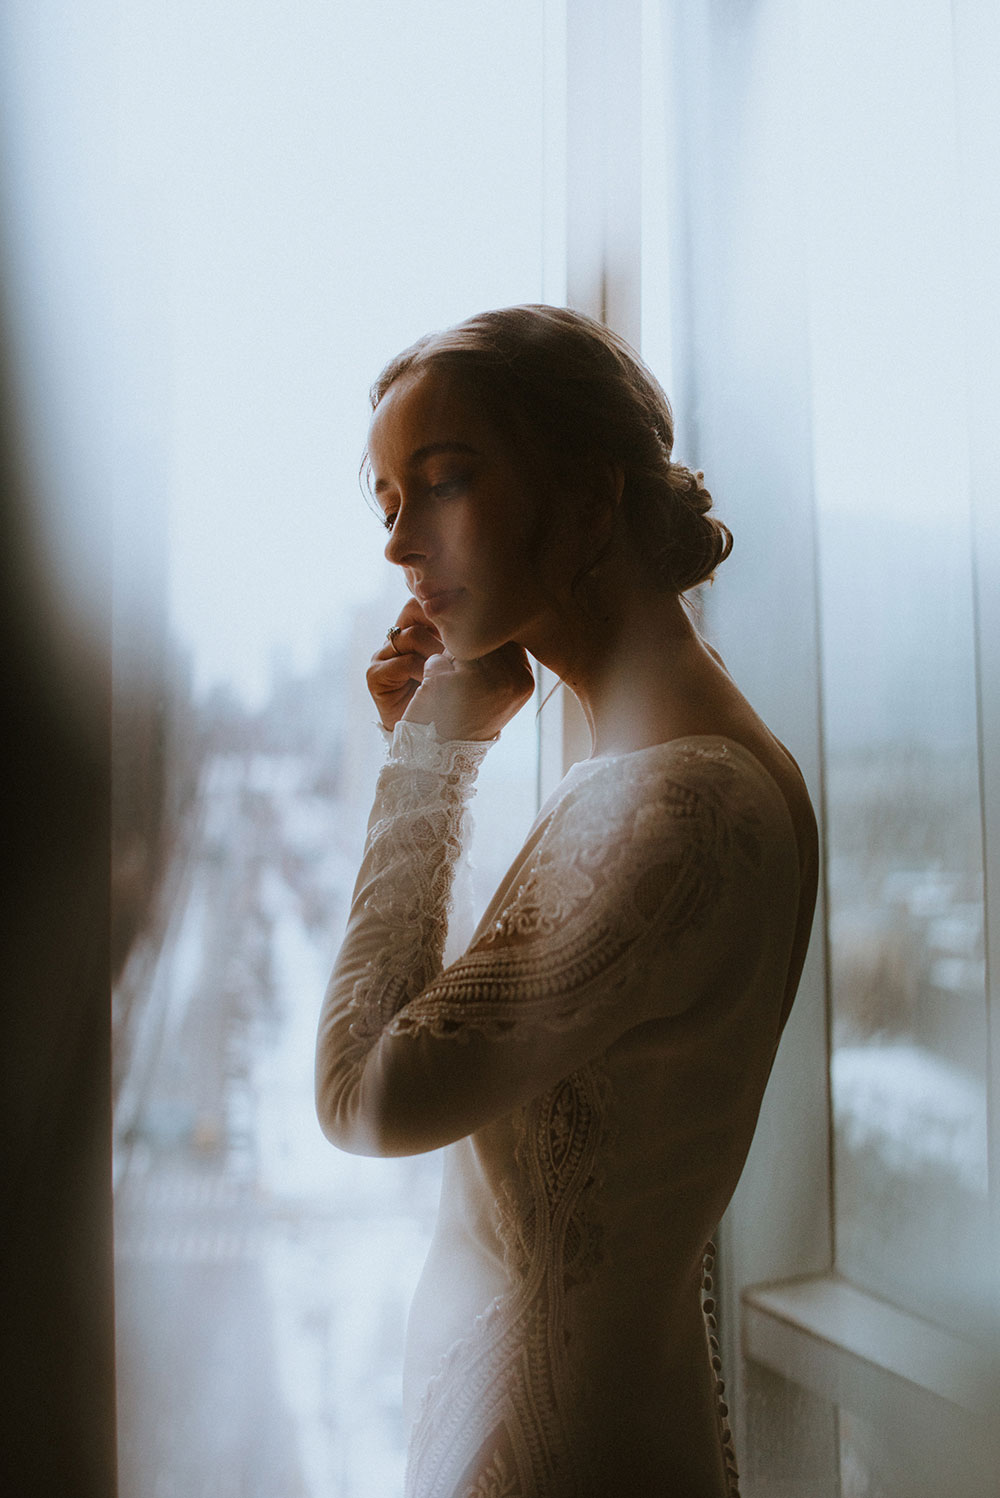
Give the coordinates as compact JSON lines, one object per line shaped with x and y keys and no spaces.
{"x":513,"y":542}
{"x":549,"y":545}
{"x":520,"y":562}
{"x":533,"y":532}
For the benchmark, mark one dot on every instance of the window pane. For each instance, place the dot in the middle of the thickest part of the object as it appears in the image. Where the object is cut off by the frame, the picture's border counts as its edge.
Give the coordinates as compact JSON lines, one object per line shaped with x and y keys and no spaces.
{"x":903,"y":805}
{"x":321,"y":184}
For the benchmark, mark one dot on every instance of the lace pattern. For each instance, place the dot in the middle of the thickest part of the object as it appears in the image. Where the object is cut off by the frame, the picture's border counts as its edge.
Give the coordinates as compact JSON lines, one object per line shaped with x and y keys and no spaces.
{"x":638,"y":873}
{"x":500,"y":1407}
{"x":422,"y":796}
{"x":417,"y":746}
{"x":634,"y":861}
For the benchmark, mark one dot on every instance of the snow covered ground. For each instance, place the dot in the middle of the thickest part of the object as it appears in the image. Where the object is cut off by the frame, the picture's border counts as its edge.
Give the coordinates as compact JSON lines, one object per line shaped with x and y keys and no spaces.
{"x":917,"y":1111}
{"x":264,"y":1277}
{"x":911,"y":1189}
{"x":340,"y":1293}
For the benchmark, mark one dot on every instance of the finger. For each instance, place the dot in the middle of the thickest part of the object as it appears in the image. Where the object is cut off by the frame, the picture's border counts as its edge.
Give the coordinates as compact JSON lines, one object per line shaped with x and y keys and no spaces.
{"x":394,"y":704}
{"x":412,"y":613}
{"x":439,"y":664}
{"x":416,"y":638}
{"x":387,"y":656}
{"x":387,"y":673}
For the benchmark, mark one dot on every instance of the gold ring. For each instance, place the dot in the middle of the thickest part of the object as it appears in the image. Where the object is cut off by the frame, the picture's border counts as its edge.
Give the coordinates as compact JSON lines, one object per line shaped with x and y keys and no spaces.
{"x":391,"y":633}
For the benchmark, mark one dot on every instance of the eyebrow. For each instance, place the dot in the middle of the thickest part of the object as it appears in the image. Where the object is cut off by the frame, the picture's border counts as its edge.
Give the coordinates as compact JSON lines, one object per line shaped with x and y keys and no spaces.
{"x":430,"y":450}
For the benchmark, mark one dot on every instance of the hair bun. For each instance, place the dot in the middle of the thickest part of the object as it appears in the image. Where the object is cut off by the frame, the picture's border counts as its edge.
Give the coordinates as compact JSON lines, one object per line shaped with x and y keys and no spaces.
{"x":698,"y":542}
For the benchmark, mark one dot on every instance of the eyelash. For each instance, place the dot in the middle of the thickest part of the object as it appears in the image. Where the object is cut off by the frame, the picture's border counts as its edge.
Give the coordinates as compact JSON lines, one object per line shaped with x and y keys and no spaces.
{"x":439,"y":491}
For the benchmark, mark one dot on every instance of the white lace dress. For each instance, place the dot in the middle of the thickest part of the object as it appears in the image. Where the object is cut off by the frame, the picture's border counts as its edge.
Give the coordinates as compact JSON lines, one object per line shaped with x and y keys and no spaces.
{"x":594,"y":1064}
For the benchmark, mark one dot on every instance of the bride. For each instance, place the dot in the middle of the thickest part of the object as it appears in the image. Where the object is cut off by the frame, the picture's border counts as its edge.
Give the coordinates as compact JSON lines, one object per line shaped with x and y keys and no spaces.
{"x":594,"y":1063}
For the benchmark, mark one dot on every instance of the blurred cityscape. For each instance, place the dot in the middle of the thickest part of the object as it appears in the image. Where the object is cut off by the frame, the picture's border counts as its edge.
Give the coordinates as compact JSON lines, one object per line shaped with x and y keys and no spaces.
{"x":263,"y":1277}
{"x":908,"y":1066}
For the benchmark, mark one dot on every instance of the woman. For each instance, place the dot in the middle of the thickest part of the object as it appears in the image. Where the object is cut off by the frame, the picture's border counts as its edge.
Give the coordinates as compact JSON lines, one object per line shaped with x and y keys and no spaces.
{"x":595,"y":1061}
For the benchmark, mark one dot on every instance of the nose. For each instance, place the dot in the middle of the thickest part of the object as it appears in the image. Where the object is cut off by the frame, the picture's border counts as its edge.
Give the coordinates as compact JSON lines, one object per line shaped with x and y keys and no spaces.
{"x":405,"y":546}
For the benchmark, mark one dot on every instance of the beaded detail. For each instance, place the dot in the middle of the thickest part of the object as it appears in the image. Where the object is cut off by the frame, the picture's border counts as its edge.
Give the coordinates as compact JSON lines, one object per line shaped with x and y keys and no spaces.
{"x":722,"y":1408}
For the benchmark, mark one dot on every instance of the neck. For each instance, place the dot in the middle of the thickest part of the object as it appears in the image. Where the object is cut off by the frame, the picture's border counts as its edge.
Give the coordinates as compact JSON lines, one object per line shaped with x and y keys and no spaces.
{"x":635,"y":661}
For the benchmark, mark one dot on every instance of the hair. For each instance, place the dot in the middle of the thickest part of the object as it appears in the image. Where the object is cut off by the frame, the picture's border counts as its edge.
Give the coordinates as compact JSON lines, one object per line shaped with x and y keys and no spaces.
{"x":574,"y":391}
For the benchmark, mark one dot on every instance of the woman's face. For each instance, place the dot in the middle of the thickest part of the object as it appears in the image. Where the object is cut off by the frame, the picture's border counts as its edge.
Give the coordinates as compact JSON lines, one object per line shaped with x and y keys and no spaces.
{"x":465,"y":518}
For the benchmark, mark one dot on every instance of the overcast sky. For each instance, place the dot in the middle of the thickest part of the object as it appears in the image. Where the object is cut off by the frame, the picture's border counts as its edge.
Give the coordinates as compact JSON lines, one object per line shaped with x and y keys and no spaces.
{"x":272,"y":199}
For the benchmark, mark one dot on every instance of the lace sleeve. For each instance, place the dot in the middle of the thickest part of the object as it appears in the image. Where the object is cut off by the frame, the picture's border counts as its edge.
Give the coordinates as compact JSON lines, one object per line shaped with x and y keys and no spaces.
{"x":398,"y":923}
{"x":628,"y":908}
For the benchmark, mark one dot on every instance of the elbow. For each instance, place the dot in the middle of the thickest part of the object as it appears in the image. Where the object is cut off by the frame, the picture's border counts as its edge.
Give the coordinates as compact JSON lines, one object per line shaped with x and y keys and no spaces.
{"x":342,"y":1124}
{"x":376,"y":1105}
{"x":359,"y":1130}
{"x":356,"y":1137}
{"x":337,"y":1095}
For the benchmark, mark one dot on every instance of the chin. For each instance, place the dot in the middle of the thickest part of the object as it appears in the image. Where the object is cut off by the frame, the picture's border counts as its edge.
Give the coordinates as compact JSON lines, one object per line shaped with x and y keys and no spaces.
{"x":470,"y":639}
{"x":467,"y":644}
{"x":464,"y":649}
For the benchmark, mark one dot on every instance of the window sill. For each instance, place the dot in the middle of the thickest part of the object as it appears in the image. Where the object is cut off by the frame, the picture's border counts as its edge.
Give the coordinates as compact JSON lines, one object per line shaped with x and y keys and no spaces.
{"x":865,"y":1355}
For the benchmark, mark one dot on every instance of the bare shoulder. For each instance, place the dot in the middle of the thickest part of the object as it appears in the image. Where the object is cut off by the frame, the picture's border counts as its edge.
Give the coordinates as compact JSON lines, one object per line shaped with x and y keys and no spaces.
{"x":736,"y":719}
{"x":783,"y":769}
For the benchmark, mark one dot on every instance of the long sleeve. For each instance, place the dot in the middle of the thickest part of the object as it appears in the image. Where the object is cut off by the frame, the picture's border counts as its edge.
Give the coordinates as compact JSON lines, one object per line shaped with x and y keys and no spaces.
{"x":628,"y":905}
{"x":398,"y":923}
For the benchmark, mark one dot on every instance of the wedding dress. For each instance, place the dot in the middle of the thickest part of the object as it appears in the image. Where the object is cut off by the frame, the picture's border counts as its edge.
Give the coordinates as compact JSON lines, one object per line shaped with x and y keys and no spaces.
{"x":594,"y":1064}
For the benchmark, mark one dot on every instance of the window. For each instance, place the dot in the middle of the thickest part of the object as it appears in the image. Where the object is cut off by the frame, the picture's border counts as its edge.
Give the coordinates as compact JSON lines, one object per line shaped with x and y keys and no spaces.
{"x":321,"y":185}
{"x":900,"y":734}
{"x":831,"y":286}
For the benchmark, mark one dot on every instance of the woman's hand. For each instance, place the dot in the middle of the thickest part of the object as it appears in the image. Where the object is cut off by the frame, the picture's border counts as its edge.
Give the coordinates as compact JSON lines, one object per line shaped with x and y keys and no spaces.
{"x":472,"y":699}
{"x":397,"y":670}
{"x":463,"y":699}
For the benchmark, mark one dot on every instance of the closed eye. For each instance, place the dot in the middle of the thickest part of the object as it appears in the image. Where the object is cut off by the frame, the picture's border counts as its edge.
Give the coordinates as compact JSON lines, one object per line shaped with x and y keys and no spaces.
{"x":447,"y":488}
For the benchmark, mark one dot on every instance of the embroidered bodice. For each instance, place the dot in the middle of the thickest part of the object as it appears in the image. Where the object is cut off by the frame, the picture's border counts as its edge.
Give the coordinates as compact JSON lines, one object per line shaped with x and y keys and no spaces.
{"x":594,"y":1063}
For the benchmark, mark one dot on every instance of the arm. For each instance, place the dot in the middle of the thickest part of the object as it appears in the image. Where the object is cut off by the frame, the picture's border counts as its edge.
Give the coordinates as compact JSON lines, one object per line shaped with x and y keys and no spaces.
{"x":396,"y":930}
{"x":624,"y":913}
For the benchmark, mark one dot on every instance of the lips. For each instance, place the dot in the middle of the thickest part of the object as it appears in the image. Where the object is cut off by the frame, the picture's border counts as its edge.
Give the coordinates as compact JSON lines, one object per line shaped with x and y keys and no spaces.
{"x":434,"y":600}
